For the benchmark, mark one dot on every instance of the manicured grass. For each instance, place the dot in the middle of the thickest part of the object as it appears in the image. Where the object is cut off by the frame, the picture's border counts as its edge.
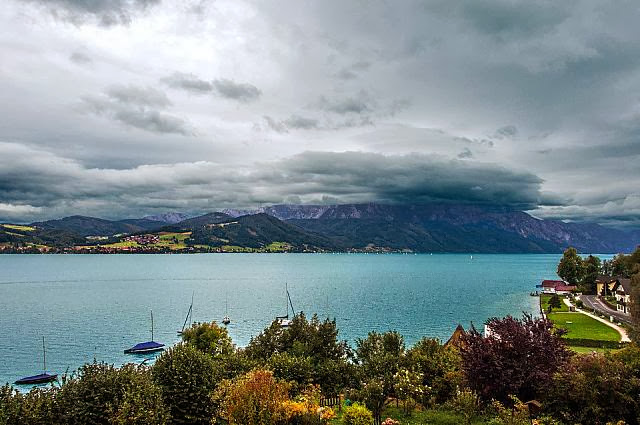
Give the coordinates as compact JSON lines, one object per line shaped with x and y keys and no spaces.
{"x":544,"y":303}
{"x":19,"y":227}
{"x":581,"y":326}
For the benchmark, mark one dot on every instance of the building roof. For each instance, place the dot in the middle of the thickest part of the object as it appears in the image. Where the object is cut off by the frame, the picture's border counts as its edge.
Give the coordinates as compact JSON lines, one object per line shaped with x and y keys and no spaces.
{"x":455,"y":337}
{"x":566,"y":288}
{"x":625,"y":284}
{"x":552,"y":283}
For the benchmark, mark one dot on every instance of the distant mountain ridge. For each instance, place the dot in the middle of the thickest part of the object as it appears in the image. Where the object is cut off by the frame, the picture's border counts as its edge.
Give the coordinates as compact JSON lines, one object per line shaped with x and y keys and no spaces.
{"x":372,"y":226}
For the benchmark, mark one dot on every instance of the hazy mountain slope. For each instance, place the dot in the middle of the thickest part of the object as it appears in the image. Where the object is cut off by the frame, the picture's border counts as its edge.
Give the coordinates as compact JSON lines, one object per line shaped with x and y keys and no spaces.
{"x":169,"y":217}
{"x":201,"y":220}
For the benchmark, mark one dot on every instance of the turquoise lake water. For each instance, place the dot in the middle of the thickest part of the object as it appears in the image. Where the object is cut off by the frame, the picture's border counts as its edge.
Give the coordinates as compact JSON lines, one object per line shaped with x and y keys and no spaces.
{"x":95,"y":306}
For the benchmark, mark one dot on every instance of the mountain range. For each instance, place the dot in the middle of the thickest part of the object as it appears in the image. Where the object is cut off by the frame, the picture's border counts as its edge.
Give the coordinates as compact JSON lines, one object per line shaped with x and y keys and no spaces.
{"x":415,"y":228}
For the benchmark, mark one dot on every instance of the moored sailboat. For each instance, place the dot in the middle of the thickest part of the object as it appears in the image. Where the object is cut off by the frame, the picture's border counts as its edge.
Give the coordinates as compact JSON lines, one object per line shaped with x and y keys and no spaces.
{"x":42,"y":378}
{"x":146,"y":347}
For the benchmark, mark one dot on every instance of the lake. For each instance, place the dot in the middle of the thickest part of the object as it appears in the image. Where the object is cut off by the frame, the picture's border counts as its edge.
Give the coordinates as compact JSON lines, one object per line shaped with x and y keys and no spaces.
{"x":95,"y":306}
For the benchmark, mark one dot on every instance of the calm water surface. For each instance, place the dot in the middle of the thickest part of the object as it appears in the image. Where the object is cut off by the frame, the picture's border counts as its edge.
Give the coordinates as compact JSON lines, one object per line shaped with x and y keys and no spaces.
{"x":95,"y":306}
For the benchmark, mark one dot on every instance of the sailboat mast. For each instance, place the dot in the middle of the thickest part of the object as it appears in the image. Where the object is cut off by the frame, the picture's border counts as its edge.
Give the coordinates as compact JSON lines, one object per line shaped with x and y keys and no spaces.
{"x":286,"y":299}
{"x":151,"y":325}
{"x":44,"y":357}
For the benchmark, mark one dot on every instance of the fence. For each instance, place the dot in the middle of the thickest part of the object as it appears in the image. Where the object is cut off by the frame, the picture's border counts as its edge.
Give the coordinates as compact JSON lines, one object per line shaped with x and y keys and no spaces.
{"x":332,"y":402}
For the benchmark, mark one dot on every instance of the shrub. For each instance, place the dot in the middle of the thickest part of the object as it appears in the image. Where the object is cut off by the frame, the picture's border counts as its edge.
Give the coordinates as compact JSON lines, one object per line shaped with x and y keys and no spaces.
{"x":103,"y":394}
{"x":467,"y":403}
{"x":187,"y":377}
{"x":595,"y":389}
{"x":357,"y":414}
{"x":36,"y":407}
{"x":256,"y":398}
{"x":516,"y":415}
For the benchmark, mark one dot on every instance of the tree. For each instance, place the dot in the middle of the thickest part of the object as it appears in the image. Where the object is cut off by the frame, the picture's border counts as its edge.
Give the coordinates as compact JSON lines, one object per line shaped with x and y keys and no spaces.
{"x":314,"y":340}
{"x":570,"y":267}
{"x":379,"y":357}
{"x":409,"y":388}
{"x":519,"y":358}
{"x":439,"y":366}
{"x":591,"y":270}
{"x":554,"y":302}
{"x":209,"y":338}
{"x":187,"y":377}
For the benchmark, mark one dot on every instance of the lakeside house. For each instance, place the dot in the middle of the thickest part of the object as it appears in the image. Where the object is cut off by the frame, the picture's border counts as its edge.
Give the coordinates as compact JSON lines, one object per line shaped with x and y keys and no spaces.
{"x":622,"y":291}
{"x":559,"y":287}
{"x":605,"y":284}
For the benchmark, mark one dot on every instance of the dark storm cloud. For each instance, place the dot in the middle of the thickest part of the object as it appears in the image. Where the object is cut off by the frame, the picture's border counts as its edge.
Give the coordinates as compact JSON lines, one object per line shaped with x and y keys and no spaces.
{"x":103,"y":12}
{"x":139,"y":107}
{"x":242,"y":92}
{"x":48,"y":185}
{"x":410,"y":179}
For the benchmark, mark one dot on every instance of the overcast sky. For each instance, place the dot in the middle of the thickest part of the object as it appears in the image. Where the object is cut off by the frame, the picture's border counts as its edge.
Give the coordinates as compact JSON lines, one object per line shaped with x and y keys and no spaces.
{"x":121,"y":108}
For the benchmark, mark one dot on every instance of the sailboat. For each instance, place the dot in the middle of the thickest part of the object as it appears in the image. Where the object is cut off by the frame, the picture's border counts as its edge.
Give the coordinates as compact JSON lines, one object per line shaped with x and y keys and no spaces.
{"x":284,"y":320}
{"x":226,"y":320}
{"x":188,"y":318}
{"x":41,"y":378}
{"x":146,"y":347}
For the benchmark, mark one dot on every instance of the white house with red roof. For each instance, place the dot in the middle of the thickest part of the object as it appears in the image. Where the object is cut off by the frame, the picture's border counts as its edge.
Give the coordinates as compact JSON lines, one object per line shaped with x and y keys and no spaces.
{"x":559,"y":287}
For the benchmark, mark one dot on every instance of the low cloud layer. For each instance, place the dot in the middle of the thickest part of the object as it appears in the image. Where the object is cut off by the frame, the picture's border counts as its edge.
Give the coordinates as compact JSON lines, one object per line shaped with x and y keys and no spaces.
{"x":36,"y":184}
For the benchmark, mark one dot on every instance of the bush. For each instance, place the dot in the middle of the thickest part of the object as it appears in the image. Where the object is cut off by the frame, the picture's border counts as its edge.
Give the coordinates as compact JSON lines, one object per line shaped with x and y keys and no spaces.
{"x":187,"y":377}
{"x":256,"y":398}
{"x":103,"y":394}
{"x":357,"y":414}
{"x":467,"y":403}
{"x":38,"y":406}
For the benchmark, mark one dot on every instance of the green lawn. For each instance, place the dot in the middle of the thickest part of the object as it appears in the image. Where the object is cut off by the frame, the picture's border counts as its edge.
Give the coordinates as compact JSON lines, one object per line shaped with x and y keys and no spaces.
{"x":544,"y":303}
{"x":581,"y":326}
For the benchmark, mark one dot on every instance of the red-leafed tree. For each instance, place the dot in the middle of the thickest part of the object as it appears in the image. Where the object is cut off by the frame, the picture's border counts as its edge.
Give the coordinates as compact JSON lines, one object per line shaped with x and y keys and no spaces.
{"x":519,"y":357}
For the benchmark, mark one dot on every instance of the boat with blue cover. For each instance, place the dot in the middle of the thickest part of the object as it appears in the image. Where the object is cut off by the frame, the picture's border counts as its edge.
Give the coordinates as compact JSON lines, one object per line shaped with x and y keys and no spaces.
{"x":146,"y":347}
{"x":42,"y":378}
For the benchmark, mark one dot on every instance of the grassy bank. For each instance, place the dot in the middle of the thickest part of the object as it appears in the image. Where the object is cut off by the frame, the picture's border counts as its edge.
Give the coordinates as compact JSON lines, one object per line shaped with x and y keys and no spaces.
{"x":544,"y":304}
